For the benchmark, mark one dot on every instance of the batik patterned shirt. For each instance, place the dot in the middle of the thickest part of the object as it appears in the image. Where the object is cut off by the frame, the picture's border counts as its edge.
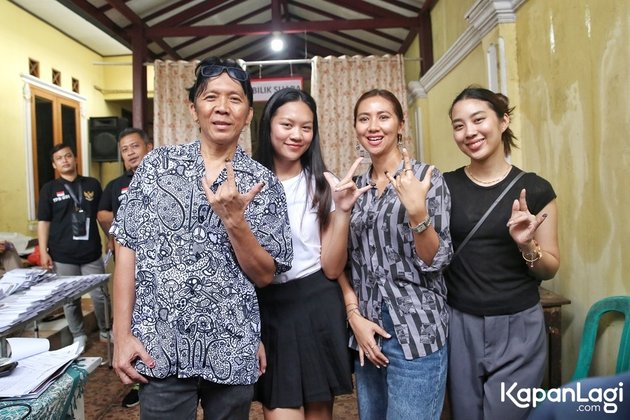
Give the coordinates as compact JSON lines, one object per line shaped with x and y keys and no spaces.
{"x":387,"y":271}
{"x":196,"y":311}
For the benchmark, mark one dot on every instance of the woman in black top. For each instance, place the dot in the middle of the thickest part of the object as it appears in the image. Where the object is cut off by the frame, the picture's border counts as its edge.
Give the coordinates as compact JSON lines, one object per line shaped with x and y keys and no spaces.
{"x":497,"y":331}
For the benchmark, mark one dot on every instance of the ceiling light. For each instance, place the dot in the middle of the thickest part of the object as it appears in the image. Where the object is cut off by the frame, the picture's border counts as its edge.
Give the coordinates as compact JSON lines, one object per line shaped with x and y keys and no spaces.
{"x":277,"y":44}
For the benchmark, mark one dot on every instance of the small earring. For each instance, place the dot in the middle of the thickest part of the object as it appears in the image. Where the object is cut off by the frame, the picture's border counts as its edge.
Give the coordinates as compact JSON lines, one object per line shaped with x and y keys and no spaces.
{"x":400,"y":142}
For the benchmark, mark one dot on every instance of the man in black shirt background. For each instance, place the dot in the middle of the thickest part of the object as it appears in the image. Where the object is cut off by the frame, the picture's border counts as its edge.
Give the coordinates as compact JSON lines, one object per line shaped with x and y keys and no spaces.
{"x":133,"y":144}
{"x":69,"y":241}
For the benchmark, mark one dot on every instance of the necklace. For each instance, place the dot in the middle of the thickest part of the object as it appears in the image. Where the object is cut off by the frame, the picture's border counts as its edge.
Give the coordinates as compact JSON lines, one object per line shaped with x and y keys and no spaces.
{"x":494,"y":181}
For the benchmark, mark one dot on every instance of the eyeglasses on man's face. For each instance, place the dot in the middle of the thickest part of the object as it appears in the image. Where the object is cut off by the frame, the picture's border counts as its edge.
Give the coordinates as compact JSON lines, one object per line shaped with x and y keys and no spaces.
{"x":234,"y":72}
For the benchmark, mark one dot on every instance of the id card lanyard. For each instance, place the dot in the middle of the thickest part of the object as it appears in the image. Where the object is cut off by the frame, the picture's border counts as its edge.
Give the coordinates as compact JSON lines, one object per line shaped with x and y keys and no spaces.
{"x":77,"y":201}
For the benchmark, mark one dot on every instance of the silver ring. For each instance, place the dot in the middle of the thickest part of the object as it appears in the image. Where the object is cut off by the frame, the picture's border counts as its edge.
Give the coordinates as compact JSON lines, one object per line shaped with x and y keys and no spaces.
{"x":367,"y":354}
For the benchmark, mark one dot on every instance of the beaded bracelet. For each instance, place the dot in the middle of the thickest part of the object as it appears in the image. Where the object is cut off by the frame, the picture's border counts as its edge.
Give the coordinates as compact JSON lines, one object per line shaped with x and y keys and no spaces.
{"x":531,"y":257}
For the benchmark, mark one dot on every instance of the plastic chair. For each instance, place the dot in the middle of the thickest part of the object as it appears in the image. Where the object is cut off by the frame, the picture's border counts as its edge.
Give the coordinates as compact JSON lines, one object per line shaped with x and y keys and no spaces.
{"x":619,"y":304}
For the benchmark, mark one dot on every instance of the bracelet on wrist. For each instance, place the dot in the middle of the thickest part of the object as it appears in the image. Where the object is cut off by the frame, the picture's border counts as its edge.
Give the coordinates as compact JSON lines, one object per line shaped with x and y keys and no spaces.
{"x":531,"y":257}
{"x":353,"y":311}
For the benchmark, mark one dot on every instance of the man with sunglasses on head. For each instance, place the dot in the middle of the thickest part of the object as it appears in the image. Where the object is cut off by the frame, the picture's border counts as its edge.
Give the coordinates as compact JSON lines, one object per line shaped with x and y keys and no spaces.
{"x":201,"y":226}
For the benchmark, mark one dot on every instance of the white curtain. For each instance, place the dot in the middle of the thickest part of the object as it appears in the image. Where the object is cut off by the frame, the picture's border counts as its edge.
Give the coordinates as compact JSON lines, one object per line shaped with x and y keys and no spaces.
{"x":172,"y":121}
{"x":336,"y":84}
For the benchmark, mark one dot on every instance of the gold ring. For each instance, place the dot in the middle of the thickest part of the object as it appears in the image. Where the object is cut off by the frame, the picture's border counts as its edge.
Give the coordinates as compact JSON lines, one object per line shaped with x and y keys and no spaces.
{"x":372,"y":346}
{"x":407,"y":169}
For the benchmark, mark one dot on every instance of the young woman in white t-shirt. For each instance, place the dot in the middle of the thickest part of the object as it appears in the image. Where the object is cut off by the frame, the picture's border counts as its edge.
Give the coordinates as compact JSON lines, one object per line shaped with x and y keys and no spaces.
{"x":302,"y":311}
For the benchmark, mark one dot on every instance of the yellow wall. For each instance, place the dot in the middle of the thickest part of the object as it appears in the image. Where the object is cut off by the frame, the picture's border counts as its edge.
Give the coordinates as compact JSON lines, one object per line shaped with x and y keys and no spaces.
{"x":573,"y":60}
{"x":440,"y":150}
{"x":448,"y":23}
{"x":412,"y":60}
{"x":412,"y":72}
{"x":117,"y":82}
{"x":25,"y":37}
{"x":568,"y":77}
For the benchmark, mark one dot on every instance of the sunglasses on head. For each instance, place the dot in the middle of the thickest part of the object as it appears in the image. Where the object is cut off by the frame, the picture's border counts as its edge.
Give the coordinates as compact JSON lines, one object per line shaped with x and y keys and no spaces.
{"x":234,"y":72}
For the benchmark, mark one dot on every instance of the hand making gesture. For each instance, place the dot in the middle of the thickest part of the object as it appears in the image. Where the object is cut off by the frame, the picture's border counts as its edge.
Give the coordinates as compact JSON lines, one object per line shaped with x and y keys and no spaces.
{"x":522,"y":223}
{"x":228,"y":203}
{"x":411,"y":191}
{"x":345,"y":191}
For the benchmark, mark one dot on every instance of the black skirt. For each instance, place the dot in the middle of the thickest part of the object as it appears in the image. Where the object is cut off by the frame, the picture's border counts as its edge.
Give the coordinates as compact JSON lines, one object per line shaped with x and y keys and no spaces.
{"x":306,"y":340}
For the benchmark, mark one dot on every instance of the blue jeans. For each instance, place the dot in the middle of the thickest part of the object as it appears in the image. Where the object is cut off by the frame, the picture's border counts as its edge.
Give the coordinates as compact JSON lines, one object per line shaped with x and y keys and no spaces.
{"x":406,"y":389}
{"x":177,"y":398}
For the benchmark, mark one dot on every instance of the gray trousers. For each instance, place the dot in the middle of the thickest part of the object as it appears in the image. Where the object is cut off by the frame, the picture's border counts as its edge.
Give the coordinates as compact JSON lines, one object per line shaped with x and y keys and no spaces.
{"x":178,"y":398}
{"x":485,"y":351}
{"x":100,"y":297}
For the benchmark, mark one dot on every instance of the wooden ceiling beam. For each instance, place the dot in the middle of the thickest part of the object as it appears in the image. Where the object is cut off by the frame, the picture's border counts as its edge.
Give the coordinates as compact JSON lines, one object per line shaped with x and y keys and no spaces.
{"x":357,"y":50}
{"x":425,"y":33}
{"x":349,"y":38}
{"x":404,"y":5}
{"x":225,"y":41}
{"x":409,"y":40}
{"x":428,"y":5}
{"x":192,"y":12}
{"x":368,"y":9}
{"x":137,"y":22}
{"x":285,"y":27}
{"x":331,"y":16}
{"x":92,"y":14}
{"x":160,"y":12}
{"x":276,"y":13}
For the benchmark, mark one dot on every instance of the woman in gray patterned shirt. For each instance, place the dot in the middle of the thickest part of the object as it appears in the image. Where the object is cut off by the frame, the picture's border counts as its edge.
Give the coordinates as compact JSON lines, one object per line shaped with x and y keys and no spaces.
{"x":399,"y":245}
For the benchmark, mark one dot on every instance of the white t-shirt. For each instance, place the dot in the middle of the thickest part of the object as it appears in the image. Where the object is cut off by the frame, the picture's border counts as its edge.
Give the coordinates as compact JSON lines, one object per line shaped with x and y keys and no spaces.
{"x":307,"y":244}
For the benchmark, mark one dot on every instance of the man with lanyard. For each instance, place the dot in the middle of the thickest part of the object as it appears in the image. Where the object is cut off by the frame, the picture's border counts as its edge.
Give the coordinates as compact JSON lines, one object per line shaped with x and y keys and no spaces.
{"x":133,"y":144}
{"x":68,"y":235}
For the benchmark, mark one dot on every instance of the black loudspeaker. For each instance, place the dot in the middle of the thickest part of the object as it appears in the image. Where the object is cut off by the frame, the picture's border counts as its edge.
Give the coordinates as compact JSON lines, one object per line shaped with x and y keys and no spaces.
{"x":103,"y":134}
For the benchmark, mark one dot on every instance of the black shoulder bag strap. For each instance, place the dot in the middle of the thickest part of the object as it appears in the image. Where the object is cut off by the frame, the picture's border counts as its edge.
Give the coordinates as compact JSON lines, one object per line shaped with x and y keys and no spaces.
{"x":487,"y":213}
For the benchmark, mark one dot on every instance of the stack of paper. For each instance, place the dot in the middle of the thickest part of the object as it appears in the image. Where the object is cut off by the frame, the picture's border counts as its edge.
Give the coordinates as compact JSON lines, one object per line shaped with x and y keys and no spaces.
{"x":22,"y":278}
{"x":37,"y":367}
{"x":23,"y":305}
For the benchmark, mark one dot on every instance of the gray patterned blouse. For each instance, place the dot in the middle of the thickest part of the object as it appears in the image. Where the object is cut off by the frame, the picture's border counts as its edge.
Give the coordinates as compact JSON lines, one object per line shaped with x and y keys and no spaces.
{"x":386,"y":269}
{"x":196,"y":312}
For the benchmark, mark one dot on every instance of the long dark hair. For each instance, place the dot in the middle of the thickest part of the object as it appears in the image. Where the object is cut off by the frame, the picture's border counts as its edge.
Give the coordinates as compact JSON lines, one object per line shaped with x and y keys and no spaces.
{"x":498,"y":102}
{"x":312,"y":161}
